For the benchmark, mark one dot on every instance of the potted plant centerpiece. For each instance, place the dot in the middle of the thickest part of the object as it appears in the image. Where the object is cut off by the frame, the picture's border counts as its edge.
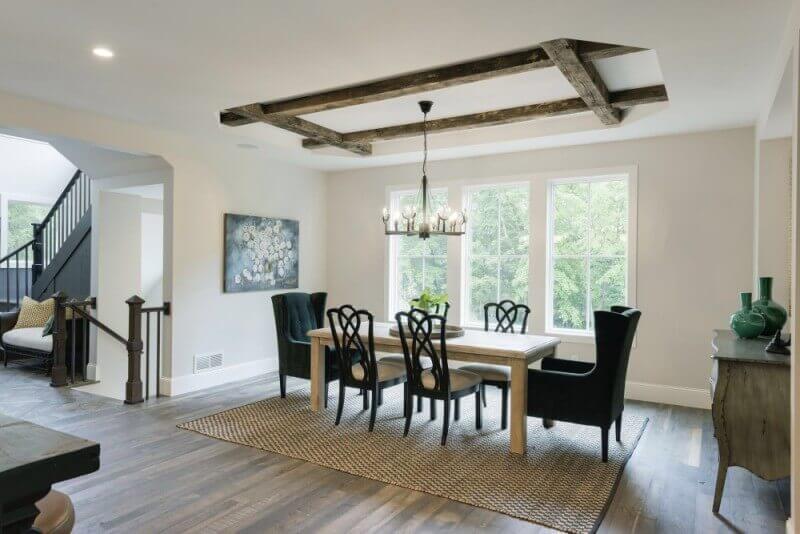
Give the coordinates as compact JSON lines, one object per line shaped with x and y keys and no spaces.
{"x":429,"y":302}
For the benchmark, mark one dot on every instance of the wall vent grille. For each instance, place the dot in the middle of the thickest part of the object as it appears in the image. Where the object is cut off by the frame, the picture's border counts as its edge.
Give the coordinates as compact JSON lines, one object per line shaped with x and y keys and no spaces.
{"x":207,"y":362}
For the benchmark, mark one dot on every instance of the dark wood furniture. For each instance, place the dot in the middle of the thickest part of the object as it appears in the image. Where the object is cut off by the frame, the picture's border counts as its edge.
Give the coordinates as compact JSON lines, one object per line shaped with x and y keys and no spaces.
{"x":296,"y":314}
{"x":32,"y":459}
{"x":750,"y":392}
{"x":358,"y":367}
{"x":508,"y":317}
{"x":437,"y":382}
{"x":588,"y":393}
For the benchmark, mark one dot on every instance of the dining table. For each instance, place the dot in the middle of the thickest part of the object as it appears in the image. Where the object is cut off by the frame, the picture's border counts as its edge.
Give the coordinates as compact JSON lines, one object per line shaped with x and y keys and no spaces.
{"x":516,"y":351}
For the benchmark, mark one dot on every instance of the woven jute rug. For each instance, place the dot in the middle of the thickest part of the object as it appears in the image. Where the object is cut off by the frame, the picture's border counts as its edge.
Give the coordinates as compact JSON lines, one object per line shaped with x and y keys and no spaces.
{"x":561,"y":482}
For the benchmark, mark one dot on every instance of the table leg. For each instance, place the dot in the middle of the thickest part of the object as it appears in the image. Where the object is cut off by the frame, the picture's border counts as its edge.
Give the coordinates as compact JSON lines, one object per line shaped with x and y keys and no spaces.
{"x":317,"y":375}
{"x":549,"y":423}
{"x":519,"y":407}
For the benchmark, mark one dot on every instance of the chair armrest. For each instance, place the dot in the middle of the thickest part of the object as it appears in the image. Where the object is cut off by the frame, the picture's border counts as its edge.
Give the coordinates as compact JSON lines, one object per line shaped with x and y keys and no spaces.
{"x":567,"y":366}
{"x":293,"y":341}
{"x":7,"y":321}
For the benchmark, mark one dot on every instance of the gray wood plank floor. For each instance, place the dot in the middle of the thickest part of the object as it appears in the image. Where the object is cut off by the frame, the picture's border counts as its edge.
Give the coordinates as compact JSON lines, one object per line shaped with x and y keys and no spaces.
{"x":157,"y":478}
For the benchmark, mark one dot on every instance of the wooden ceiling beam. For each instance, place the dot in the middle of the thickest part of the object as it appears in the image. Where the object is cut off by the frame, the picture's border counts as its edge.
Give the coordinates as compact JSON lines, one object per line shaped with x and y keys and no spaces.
{"x":619,"y":100}
{"x":427,"y":80}
{"x":583,"y":76}
{"x":303,"y":127}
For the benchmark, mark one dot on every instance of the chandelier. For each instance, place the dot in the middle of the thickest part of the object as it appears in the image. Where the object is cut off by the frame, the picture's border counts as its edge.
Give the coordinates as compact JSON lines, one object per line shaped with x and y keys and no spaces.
{"x":442,"y":221}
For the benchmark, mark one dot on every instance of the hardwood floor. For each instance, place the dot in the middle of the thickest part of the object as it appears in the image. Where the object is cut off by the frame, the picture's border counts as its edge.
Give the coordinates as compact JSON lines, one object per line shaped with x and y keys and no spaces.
{"x":157,"y":478}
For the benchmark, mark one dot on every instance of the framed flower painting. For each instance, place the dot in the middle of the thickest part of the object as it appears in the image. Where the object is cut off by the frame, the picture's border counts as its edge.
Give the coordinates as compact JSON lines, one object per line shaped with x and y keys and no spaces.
{"x":261,"y":253}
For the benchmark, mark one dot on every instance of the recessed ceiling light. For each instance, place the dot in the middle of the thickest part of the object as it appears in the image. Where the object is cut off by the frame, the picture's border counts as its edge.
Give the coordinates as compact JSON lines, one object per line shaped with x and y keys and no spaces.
{"x":103,"y":52}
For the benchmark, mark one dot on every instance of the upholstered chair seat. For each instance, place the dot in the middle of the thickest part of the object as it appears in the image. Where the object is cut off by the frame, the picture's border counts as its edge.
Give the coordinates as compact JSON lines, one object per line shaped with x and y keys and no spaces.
{"x":459,"y":379}
{"x":488,"y":372}
{"x":386,"y":371}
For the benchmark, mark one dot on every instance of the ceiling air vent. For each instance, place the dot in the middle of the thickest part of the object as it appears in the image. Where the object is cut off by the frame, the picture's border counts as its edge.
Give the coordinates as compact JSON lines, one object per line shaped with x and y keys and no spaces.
{"x":207,"y":362}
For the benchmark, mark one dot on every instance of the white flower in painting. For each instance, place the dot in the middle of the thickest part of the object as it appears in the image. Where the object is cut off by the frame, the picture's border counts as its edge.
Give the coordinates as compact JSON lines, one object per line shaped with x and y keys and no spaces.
{"x":278,"y":223}
{"x":257,"y":277}
{"x":282,"y":254}
{"x":237,"y":279}
{"x":289,"y":244}
{"x":260,"y":268}
{"x":247,"y":275}
{"x":268,"y":230}
{"x":281,"y":271}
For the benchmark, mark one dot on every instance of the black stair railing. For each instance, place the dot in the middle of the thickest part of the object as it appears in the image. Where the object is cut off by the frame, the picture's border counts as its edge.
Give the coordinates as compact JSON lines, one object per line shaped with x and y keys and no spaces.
{"x":134,"y":343}
{"x":17,"y":275}
{"x":49,"y":236}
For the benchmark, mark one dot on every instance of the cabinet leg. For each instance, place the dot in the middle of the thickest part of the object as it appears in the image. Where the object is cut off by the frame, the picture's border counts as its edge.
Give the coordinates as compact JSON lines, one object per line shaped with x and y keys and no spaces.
{"x":722,"y":471}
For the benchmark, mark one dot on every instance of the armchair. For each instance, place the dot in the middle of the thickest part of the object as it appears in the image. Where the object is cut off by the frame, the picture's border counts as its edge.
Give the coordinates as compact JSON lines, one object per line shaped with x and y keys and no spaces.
{"x":588,"y":393}
{"x":296,"y":314}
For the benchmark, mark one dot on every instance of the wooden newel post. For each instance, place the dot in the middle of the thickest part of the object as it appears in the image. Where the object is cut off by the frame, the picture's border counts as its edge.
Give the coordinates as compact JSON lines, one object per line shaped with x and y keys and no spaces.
{"x":133,"y":387}
{"x":58,"y":374}
{"x":38,"y":252}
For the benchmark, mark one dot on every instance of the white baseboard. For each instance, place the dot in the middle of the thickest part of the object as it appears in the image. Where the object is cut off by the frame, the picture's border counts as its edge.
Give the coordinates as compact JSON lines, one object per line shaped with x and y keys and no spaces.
{"x":91,"y":371}
{"x":790,"y":526}
{"x":193,"y":382}
{"x":680,"y":396}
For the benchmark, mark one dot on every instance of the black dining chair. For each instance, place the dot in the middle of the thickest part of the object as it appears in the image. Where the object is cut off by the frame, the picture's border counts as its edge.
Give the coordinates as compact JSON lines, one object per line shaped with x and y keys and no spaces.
{"x":583,"y":392}
{"x":508,"y":317}
{"x":358,"y":367}
{"x":437,"y":382}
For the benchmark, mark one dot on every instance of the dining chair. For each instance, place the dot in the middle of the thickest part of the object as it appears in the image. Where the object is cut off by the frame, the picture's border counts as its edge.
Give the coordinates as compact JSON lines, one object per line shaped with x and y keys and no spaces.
{"x":508,"y":317}
{"x":358,"y":367}
{"x":437,"y":382}
{"x":295,"y":314}
{"x":583,"y":392}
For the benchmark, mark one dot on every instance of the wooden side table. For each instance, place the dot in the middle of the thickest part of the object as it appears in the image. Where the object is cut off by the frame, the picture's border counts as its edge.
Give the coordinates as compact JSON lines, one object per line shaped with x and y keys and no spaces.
{"x":32,"y":459}
{"x":750,"y":407}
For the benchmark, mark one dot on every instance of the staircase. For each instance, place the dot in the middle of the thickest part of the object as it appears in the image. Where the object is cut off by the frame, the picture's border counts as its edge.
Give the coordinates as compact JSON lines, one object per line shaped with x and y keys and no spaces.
{"x":58,"y":258}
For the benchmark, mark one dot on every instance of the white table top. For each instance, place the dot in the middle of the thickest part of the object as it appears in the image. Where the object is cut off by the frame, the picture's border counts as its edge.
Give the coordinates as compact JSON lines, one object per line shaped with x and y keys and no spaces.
{"x":472,"y":342}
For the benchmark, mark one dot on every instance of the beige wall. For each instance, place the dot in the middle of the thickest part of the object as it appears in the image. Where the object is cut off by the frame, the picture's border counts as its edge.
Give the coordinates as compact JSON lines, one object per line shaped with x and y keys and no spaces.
{"x":208,"y":180}
{"x":695,"y":241}
{"x":773,"y":216}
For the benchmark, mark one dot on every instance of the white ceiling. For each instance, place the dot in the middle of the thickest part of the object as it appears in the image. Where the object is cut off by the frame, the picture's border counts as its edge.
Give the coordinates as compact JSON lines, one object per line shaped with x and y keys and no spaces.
{"x":32,"y":170}
{"x":178,"y":63}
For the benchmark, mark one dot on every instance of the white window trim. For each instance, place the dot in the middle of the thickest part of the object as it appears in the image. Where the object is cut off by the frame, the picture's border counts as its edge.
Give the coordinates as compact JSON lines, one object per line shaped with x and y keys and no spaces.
{"x":390,"y":275}
{"x":465,"y":256}
{"x":576,"y":336}
{"x":5,"y":199}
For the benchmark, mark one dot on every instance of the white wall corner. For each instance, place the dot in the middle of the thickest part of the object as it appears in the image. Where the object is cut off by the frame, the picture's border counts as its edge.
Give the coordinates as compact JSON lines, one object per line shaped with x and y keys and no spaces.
{"x":194,"y":382}
{"x":679,"y":396}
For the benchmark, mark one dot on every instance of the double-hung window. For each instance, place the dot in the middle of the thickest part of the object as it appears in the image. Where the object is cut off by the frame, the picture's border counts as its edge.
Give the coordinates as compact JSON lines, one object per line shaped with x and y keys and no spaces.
{"x":496,"y":246}
{"x":588,"y":250}
{"x":415,"y":264}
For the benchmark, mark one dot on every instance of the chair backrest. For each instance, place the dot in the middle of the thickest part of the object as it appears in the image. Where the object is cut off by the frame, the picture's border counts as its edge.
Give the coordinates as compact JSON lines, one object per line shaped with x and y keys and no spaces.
{"x":346,"y":322}
{"x":297,"y":313}
{"x":443,"y":308}
{"x":506,"y":314}
{"x":614,"y":332}
{"x":416,"y":329}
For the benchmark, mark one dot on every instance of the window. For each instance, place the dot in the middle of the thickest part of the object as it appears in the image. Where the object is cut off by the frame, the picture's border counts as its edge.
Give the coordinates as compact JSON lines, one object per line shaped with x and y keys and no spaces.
{"x":21,"y":216}
{"x":416,"y":264}
{"x":496,"y":247}
{"x":588,"y":250}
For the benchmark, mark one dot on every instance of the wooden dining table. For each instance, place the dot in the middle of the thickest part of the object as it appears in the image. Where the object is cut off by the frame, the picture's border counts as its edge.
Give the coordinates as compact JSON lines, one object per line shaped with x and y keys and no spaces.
{"x":516,"y":351}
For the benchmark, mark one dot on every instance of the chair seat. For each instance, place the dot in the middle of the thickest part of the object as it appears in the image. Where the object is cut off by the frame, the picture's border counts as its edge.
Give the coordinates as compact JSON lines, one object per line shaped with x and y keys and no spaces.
{"x":494,"y":373}
{"x":399,"y":359}
{"x":56,"y":514}
{"x":386,"y":371}
{"x":29,"y":338}
{"x":459,"y":379}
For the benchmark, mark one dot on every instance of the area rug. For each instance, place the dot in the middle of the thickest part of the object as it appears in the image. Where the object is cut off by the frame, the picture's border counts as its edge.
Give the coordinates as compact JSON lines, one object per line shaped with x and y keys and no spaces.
{"x":561,"y":482}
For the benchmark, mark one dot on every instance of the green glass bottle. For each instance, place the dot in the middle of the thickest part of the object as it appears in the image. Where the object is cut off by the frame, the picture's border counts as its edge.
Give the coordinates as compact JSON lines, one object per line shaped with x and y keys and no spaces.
{"x":746,"y":322}
{"x":774,"y":313}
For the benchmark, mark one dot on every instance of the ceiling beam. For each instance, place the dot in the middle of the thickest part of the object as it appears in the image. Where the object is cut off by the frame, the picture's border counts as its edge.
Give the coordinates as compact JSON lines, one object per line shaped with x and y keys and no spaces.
{"x":427,"y":80}
{"x":303,"y":127}
{"x":584,"y":78}
{"x":619,"y":100}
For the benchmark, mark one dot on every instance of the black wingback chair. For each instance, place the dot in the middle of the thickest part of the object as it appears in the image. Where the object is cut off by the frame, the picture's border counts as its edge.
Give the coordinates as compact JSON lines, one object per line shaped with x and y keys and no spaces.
{"x":588,"y":393}
{"x":295,"y":315}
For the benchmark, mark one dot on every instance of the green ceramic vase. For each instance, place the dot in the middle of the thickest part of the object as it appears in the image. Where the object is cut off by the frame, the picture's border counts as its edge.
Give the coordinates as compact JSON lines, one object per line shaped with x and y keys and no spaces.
{"x":746,"y":322}
{"x":774,"y":313}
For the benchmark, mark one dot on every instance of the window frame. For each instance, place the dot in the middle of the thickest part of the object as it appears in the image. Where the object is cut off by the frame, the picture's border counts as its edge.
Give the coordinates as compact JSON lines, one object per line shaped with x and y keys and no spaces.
{"x":5,"y":200}
{"x":600,"y":175}
{"x":393,"y":201}
{"x":465,"y":294}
